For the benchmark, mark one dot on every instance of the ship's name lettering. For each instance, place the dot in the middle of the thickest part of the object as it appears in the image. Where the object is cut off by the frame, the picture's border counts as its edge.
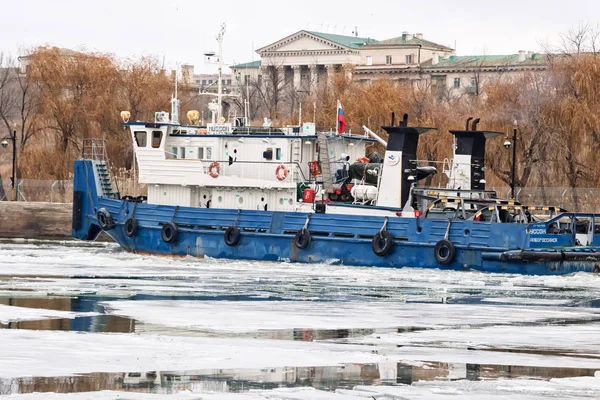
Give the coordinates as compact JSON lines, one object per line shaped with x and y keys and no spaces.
{"x":218,"y":128}
{"x":537,"y":232}
{"x":543,"y":240}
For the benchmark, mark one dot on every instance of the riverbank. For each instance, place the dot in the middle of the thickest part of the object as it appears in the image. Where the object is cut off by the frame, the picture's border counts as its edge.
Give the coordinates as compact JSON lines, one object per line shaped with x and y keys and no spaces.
{"x":33,"y":220}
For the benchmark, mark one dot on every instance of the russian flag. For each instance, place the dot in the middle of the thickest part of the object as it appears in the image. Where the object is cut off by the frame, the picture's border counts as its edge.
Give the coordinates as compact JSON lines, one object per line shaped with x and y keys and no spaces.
{"x":341,"y":120}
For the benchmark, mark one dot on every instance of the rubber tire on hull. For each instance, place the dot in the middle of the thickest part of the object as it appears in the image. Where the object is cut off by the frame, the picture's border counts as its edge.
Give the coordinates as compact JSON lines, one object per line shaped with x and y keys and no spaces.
{"x":232,"y":236}
{"x":444,"y":252}
{"x":169,"y":232}
{"x":382,"y":243}
{"x":130,"y":227}
{"x":302,"y":238}
{"x":105,"y":220}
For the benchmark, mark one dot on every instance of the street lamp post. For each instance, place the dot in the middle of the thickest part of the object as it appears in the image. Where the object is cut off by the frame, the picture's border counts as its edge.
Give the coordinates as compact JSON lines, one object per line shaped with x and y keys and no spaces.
{"x":4,"y":143}
{"x":507,"y":144}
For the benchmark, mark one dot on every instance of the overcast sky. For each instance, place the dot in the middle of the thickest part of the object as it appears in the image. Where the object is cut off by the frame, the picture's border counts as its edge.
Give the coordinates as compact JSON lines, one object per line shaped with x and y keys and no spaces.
{"x":180,"y":31}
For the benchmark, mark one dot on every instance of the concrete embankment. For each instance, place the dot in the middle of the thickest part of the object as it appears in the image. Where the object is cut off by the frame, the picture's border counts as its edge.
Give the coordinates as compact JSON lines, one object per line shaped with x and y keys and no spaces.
{"x":35,"y":220}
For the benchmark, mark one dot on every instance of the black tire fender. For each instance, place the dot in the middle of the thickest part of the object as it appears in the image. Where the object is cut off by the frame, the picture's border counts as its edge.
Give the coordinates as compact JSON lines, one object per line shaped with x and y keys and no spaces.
{"x":382,"y":243}
{"x":302,"y":238}
{"x":444,"y":252}
{"x":130,"y":227}
{"x":105,"y":220}
{"x":169,"y":232}
{"x":232,"y":236}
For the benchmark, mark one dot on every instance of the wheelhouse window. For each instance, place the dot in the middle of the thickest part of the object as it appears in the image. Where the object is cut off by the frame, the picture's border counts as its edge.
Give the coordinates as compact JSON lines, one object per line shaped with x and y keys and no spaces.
{"x":140,"y":138}
{"x":156,"y":139}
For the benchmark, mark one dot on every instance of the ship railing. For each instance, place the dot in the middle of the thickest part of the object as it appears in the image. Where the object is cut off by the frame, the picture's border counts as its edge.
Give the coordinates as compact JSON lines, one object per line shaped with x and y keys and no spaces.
{"x":94,"y":149}
{"x":261,"y":170}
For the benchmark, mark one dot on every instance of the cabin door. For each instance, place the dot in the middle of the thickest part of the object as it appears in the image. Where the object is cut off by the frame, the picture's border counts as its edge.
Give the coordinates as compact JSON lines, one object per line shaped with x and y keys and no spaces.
{"x":232,"y":155}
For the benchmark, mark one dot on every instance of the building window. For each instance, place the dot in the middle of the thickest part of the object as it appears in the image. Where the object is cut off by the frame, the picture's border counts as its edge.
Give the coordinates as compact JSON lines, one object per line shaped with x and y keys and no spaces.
{"x":409,"y":59}
{"x":246,"y":79}
{"x":259,"y":80}
{"x":156,"y":139}
{"x":229,"y":81}
{"x":140,"y":138}
{"x":388,"y":60}
{"x":369,"y":60}
{"x":204,"y":81}
{"x":456,"y":83}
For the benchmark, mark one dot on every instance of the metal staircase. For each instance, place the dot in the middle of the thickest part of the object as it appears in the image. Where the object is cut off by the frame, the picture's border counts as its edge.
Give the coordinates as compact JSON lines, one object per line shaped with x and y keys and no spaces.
{"x":296,"y":158}
{"x":104,"y":178}
{"x":95,"y":150}
{"x":326,"y":157}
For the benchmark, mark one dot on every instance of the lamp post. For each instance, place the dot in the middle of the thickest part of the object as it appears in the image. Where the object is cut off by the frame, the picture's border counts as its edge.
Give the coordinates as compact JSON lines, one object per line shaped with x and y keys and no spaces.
{"x":507,"y":144}
{"x":4,"y":143}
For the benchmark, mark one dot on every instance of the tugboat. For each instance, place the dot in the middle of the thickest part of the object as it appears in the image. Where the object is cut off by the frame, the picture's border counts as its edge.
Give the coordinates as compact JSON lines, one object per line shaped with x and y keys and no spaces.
{"x":297,"y":195}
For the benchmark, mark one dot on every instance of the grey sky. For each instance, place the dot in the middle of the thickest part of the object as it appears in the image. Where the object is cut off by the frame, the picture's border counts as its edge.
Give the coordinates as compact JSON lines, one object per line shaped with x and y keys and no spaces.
{"x":181,"y":30}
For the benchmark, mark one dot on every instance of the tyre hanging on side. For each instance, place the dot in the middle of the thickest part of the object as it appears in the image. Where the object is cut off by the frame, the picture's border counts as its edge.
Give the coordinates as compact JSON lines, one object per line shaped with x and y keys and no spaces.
{"x":232,"y":236}
{"x":169,"y":232}
{"x":130,"y":227}
{"x":444,"y":252}
{"x":302,"y":238}
{"x":105,"y":220}
{"x":382,"y":243}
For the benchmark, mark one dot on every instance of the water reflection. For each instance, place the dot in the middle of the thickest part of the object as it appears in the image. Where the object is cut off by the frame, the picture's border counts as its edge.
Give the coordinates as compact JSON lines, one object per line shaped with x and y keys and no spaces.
{"x":98,"y":323}
{"x":239,"y":380}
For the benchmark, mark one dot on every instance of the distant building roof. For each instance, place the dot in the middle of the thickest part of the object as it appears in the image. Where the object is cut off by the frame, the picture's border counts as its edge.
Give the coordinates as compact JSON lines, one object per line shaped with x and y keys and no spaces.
{"x":252,"y":64}
{"x":487,"y":61}
{"x":408,"y":40}
{"x":348,"y":41}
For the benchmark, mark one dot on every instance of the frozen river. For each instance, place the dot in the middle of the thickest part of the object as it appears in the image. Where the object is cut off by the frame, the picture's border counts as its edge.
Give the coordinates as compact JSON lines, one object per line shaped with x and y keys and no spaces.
{"x":86,"y":321}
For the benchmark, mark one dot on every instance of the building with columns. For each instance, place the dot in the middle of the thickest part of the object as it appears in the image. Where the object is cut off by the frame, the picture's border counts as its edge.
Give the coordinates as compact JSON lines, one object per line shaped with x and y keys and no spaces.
{"x":306,"y":59}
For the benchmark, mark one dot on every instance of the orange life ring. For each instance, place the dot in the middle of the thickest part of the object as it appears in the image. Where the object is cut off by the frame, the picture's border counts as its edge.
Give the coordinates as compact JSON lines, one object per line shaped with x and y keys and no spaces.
{"x":214,"y":170}
{"x":278,"y":172}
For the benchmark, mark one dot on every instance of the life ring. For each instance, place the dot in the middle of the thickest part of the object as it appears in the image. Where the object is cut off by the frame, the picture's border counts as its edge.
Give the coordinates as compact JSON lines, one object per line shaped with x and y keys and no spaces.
{"x":169,"y":232}
{"x":281,"y":176}
{"x":232,"y":236}
{"x":444,"y":252}
{"x":105,"y":220}
{"x":382,"y":243}
{"x":302,"y":238}
{"x":130,"y":227}
{"x":214,"y":169}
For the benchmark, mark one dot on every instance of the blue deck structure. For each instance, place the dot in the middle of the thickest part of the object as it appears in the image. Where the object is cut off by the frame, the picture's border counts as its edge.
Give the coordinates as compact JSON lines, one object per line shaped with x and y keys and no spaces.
{"x":335,"y":238}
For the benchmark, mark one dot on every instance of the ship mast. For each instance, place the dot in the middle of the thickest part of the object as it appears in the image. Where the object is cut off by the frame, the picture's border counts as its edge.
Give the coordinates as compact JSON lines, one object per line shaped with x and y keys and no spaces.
{"x":220,"y":73}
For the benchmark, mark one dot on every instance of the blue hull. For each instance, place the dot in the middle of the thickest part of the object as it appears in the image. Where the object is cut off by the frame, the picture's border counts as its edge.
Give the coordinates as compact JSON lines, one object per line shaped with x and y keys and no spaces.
{"x":336,"y":238}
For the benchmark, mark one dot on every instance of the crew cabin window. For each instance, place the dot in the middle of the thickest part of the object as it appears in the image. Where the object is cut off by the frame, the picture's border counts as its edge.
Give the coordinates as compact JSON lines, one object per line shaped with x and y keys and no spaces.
{"x":204,"y":153}
{"x":156,"y":139}
{"x":140,"y":138}
{"x":278,"y":154}
{"x":182,"y":152}
{"x":174,"y":152}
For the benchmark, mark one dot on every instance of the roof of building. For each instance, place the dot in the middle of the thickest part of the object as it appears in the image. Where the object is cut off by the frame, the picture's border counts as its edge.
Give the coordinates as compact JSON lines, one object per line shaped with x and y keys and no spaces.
{"x":252,"y":64}
{"x":409,"y":40}
{"x":353,"y":42}
{"x":487,"y":61}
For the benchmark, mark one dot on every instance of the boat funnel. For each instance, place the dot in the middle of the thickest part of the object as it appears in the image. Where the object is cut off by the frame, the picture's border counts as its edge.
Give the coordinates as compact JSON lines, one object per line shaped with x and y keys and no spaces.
{"x":399,"y":165}
{"x":468,"y":172}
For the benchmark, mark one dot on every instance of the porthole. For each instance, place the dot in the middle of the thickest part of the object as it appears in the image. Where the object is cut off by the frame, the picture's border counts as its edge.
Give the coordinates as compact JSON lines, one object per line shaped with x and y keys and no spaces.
{"x":240,"y":199}
{"x":290,"y":201}
{"x":220,"y":199}
{"x":467,"y":232}
{"x":281,"y":201}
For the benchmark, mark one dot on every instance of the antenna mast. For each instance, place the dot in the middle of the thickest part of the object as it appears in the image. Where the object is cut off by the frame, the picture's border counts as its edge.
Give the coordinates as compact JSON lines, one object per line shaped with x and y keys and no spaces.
{"x":219,"y":90}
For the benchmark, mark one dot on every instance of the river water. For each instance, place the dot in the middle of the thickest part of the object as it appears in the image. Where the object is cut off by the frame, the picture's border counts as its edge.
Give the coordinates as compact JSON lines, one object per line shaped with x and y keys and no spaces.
{"x":80,"y":320}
